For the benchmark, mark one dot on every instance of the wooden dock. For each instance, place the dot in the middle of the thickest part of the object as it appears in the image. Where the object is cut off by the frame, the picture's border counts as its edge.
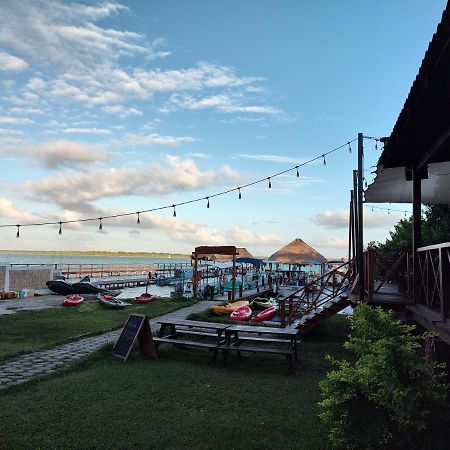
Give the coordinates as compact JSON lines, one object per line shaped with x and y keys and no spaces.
{"x":124,"y":282}
{"x":247,"y":294}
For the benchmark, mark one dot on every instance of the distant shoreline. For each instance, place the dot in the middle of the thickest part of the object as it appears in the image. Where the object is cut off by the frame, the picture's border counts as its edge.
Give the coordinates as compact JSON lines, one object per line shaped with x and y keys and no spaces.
{"x":97,"y":253}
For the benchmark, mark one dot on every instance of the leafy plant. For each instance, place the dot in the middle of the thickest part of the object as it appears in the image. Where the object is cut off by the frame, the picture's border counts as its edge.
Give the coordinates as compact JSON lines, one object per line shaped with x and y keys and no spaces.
{"x":389,"y":397}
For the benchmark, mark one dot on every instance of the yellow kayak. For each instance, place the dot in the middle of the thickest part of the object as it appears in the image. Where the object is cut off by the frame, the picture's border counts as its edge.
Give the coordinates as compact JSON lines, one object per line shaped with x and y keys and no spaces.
{"x":228,"y":308}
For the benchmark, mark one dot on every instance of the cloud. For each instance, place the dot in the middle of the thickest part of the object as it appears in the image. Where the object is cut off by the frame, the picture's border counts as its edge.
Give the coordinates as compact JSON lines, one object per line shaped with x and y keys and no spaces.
{"x":12,"y":214}
{"x":198,"y":155}
{"x":78,"y":191}
{"x":36,"y":84}
{"x":15,"y":121}
{"x":61,"y":153}
{"x":9,"y":131}
{"x":122,"y":111}
{"x":340,"y":219}
{"x":98,"y":131}
{"x":137,"y":139}
{"x":12,"y":63}
{"x":270,"y":158}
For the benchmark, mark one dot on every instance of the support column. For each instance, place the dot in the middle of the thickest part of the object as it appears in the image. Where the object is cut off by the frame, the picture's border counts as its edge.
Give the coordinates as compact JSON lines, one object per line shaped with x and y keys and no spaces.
{"x":233,"y":295}
{"x":417,"y":230}
{"x":350,"y":227}
{"x":194,"y":280}
{"x":360,"y":243}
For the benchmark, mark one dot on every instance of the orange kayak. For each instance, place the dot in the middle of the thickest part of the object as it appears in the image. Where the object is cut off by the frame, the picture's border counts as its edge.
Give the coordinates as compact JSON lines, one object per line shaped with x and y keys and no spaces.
{"x":228,"y":308}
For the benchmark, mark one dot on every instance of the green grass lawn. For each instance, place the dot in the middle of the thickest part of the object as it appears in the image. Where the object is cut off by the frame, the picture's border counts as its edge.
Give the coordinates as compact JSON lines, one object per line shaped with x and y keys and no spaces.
{"x":26,"y":332}
{"x":180,"y":401}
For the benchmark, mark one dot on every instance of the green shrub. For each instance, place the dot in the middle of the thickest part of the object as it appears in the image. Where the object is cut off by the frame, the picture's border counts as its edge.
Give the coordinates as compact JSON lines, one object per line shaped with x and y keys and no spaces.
{"x":389,"y":397}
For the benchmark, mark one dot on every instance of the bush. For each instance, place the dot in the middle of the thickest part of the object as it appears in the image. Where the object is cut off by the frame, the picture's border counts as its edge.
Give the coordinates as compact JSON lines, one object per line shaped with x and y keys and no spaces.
{"x":390,"y":397}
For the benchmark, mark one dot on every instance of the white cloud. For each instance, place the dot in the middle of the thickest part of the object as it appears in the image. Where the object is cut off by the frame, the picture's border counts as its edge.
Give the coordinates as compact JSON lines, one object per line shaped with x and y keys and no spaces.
{"x":15,"y":121}
{"x":122,"y":111}
{"x":136,"y":139}
{"x":11,"y":213}
{"x":61,"y":153}
{"x":9,"y":131}
{"x":36,"y":84}
{"x":340,"y":219}
{"x":12,"y":63}
{"x":270,"y":158}
{"x":198,"y":155}
{"x":98,"y":131}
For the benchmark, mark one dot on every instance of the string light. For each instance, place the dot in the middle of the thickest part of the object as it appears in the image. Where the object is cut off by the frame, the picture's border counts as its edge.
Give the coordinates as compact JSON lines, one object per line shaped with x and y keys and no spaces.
{"x":252,"y":183}
{"x":18,"y":231}
{"x":174,"y":211}
{"x":60,"y":228}
{"x":324,"y":160}
{"x":207,"y":205}
{"x":138,"y":219}
{"x":389,"y":210}
{"x":349,"y":147}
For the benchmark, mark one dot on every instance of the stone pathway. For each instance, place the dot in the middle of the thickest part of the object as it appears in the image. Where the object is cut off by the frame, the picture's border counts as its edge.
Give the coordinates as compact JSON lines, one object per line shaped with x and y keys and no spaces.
{"x":23,"y":368}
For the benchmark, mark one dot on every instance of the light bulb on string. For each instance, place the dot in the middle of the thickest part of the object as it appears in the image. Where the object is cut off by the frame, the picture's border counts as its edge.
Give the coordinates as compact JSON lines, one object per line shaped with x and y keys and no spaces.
{"x":100,"y":227}
{"x":138,"y":218}
{"x":376,"y":145}
{"x":174,"y":211}
{"x":372,"y":208}
{"x":324,"y":160}
{"x":270,"y":183}
{"x":389,"y":212}
{"x":207,"y":205}
{"x":60,"y":228}
{"x":18,"y":231}
{"x":349,"y":147}
{"x":240,"y":195}
{"x":298,"y":174}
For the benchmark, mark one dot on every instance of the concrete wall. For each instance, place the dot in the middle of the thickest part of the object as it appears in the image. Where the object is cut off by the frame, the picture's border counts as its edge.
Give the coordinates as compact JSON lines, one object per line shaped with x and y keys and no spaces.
{"x":15,"y":278}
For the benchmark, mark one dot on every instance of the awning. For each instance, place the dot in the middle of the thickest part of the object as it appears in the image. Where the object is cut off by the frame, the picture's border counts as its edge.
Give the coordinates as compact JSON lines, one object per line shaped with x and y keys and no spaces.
{"x":390,"y":185}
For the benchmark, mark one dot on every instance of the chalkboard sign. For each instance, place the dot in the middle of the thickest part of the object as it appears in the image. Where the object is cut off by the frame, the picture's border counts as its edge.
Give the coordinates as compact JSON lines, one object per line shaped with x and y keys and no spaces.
{"x":137,"y":326}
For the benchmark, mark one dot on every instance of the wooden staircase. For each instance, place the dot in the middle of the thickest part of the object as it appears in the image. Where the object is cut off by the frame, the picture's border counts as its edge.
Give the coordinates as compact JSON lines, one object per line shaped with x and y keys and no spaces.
{"x":314,"y":318}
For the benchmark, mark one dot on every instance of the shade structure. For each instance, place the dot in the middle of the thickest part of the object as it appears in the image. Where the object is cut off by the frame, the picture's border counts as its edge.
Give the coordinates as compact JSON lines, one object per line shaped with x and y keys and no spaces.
{"x":297,"y":252}
{"x":241,"y":253}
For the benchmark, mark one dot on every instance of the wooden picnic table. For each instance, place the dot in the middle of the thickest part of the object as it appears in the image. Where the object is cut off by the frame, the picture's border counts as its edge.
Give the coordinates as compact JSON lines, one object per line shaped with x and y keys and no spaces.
{"x":235,"y":335}
{"x":185,"y":327}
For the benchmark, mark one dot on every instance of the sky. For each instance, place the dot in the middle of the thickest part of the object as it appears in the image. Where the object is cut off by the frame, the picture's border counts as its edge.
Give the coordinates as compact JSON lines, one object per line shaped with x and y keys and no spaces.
{"x":107,"y":108}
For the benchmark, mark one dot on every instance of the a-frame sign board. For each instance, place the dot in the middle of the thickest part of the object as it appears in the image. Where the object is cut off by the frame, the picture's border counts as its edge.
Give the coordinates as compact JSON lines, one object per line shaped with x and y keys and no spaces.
{"x":137,"y":326}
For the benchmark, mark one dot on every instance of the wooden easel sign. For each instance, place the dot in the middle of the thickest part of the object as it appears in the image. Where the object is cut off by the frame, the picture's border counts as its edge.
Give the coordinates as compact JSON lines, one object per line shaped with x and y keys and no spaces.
{"x":137,"y":326}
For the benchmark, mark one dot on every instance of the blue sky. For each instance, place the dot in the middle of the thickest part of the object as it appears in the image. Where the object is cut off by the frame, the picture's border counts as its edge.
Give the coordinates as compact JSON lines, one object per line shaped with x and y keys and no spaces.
{"x":113,"y":107}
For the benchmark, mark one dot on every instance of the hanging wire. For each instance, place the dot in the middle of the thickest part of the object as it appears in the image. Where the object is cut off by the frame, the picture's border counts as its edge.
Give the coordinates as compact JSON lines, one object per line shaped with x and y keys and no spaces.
{"x":138,"y":218}
{"x":160,"y":208}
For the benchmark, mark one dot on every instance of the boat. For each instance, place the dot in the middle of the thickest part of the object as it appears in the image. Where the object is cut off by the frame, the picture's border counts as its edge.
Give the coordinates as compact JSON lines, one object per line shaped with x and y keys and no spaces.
{"x":260,"y":303}
{"x":109,"y":301}
{"x":228,"y":308}
{"x":83,"y":287}
{"x":60,"y":286}
{"x":267,"y":314}
{"x":243,"y":313}
{"x":73,"y":300}
{"x":144,"y":298}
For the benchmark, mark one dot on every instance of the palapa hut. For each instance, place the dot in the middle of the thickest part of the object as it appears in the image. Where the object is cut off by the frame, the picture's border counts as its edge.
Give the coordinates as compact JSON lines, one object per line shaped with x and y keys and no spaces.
{"x":297,"y":252}
{"x":241,"y":253}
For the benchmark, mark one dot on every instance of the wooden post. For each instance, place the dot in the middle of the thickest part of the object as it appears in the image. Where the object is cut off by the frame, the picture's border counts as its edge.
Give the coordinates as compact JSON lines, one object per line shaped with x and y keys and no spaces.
{"x":194,"y":280}
{"x":417,"y":232}
{"x":234,"y":278}
{"x":360,"y":243}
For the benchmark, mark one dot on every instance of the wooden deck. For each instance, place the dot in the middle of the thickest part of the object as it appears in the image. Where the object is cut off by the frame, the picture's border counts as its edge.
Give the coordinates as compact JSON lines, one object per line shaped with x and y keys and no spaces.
{"x":389,"y":295}
{"x":247,"y":294}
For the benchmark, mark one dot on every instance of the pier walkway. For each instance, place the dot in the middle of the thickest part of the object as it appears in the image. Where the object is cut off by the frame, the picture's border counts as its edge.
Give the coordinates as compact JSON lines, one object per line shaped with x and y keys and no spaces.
{"x":23,"y":368}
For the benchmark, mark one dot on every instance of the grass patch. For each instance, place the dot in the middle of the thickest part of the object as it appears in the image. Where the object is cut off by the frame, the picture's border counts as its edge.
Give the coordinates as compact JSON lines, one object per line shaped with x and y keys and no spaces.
{"x":180,"y":401}
{"x":30,"y":331}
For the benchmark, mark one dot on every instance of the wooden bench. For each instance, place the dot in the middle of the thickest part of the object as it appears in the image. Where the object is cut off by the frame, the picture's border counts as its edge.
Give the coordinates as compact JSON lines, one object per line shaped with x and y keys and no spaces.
{"x":184,"y":327}
{"x":236,"y":334}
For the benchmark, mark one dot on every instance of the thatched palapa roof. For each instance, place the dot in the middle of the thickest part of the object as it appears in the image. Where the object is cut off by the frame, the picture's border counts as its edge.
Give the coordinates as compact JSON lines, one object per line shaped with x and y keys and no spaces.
{"x":241,"y":253}
{"x":297,"y":252}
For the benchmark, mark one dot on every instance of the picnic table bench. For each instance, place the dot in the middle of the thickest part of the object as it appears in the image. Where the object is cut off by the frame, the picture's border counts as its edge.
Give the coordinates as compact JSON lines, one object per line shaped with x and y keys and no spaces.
{"x":228,"y":337}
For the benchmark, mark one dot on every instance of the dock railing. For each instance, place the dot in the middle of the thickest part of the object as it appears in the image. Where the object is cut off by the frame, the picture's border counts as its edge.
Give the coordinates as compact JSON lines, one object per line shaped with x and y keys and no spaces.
{"x":433,"y":289}
{"x":317,"y":293}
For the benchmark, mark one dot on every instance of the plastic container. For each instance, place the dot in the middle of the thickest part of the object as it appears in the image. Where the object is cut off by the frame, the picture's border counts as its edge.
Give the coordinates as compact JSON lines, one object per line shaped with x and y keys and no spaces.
{"x":23,"y":293}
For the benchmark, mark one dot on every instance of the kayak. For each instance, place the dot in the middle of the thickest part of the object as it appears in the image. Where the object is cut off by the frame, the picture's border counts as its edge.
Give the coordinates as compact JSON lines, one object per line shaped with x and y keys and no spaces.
{"x":242,"y":313}
{"x":112,"y":303}
{"x":144,"y":298}
{"x":228,"y":308}
{"x":73,"y":300}
{"x":265,"y":315}
{"x":261,"y":304}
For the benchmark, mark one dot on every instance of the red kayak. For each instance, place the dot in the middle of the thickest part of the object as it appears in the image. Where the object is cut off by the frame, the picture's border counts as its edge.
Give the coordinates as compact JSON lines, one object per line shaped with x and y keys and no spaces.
{"x":73,"y":300}
{"x":267,"y":314}
{"x":144,"y":298}
{"x":242,"y":313}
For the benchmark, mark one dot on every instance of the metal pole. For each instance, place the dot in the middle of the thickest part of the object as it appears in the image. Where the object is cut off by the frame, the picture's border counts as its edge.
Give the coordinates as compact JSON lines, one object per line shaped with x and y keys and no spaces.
{"x":350,"y":227}
{"x":355,"y":219}
{"x":233,"y":296}
{"x":360,"y":217}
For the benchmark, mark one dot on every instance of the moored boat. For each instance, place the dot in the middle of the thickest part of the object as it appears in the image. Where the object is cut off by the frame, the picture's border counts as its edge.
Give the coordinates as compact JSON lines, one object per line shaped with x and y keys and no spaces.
{"x":243,"y":313}
{"x":144,"y":298}
{"x":267,"y":314}
{"x":73,"y":300}
{"x":228,"y":308}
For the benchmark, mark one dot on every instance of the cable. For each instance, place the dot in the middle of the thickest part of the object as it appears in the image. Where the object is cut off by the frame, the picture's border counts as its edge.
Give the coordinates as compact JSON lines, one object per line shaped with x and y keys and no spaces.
{"x":187,"y":202}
